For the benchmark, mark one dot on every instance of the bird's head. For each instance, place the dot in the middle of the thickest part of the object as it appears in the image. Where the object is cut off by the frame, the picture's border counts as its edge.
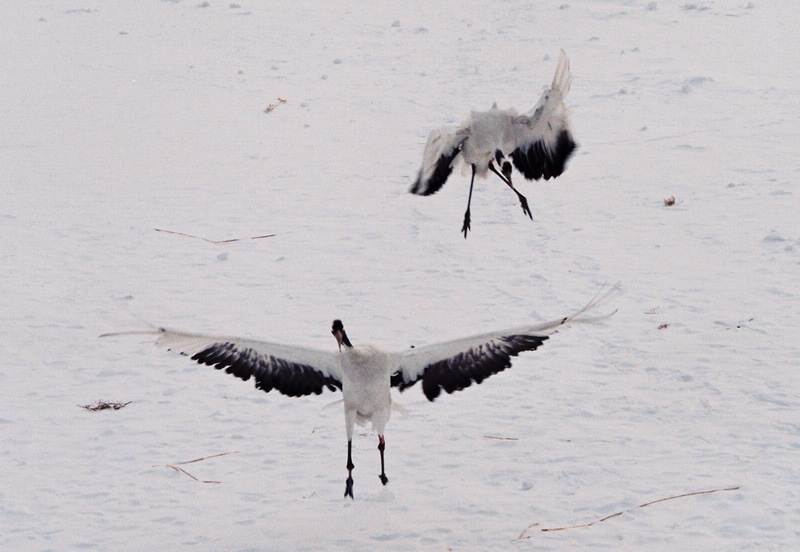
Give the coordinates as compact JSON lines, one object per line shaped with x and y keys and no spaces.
{"x":338,"y":332}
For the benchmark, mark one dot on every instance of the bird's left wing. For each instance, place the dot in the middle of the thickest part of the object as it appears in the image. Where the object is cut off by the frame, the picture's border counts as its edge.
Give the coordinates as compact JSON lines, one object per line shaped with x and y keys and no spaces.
{"x":454,"y":365}
{"x":543,"y":139}
{"x":443,"y":145}
{"x":294,"y":371}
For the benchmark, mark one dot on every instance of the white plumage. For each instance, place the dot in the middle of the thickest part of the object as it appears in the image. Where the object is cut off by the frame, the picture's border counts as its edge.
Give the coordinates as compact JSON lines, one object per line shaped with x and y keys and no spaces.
{"x":538,"y":143}
{"x":365,"y":374}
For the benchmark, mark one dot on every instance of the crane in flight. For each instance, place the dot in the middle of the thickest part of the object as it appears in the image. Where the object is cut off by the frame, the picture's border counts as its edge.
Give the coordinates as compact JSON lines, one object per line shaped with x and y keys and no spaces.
{"x":363,"y":373}
{"x":539,"y":143}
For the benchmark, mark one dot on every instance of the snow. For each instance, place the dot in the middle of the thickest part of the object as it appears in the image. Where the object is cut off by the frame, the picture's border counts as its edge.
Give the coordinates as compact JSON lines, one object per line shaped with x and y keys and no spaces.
{"x":120,"y":118}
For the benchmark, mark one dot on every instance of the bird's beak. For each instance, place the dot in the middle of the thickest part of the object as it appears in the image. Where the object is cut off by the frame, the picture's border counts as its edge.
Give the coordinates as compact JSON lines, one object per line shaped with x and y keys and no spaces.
{"x":338,"y":335}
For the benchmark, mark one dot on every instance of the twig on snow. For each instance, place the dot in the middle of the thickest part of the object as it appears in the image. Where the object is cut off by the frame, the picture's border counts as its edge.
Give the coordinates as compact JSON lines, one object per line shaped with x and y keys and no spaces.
{"x":181,"y":470}
{"x":271,"y":107}
{"x":178,"y":469}
{"x":584,"y":524}
{"x":213,"y":241}
{"x":696,"y":493}
{"x":206,"y":457}
{"x":501,"y":438}
{"x":524,"y":535}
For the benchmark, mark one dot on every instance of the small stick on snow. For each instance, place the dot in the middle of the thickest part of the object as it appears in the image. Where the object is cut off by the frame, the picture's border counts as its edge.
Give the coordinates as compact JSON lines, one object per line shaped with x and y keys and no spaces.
{"x":206,"y":458}
{"x":213,"y":241}
{"x":523,"y":534}
{"x":696,"y":493}
{"x":271,"y":107}
{"x":583,"y":524}
{"x":181,"y":470}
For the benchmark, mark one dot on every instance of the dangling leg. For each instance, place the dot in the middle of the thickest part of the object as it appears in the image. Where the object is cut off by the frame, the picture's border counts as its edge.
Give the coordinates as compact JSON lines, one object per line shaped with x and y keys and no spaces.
{"x":381,"y":447}
{"x":466,"y":227}
{"x":348,"y":487}
{"x":506,"y":177}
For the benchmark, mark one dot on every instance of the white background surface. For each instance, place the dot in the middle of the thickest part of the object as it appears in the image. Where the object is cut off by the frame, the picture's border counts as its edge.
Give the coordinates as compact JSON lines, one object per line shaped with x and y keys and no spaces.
{"x":120,"y":118}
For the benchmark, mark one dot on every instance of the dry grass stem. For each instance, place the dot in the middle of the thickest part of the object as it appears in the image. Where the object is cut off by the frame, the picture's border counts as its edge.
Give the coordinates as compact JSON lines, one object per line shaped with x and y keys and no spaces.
{"x":177,"y":468}
{"x":206,"y":457}
{"x":213,"y":241}
{"x":271,"y":107}
{"x":524,"y":535}
{"x":181,"y":470}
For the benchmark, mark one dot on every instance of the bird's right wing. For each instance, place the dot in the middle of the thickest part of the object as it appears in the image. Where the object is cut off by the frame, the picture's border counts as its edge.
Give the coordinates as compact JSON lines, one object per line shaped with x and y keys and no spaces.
{"x":455,"y":365}
{"x":444,"y":145}
{"x":294,"y":371}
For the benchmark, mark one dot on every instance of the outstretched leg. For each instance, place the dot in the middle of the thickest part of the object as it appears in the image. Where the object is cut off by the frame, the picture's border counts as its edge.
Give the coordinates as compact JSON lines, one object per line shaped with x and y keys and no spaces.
{"x":506,"y":177}
{"x":465,"y":228}
{"x":348,"y":487}
{"x":381,"y":447}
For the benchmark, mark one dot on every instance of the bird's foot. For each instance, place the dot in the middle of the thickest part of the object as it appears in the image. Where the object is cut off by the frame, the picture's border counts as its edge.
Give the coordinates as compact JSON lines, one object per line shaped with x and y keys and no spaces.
{"x":525,"y":209}
{"x":465,"y":228}
{"x":348,"y":488}
{"x":384,"y":479}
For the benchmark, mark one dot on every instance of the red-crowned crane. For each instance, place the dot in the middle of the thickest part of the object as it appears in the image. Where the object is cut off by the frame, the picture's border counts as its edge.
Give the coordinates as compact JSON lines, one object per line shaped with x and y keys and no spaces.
{"x":365,"y":374}
{"x":539,"y":144}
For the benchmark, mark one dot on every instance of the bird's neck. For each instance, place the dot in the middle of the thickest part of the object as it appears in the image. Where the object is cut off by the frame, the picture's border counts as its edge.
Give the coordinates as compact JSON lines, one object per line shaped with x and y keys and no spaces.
{"x":346,"y":341}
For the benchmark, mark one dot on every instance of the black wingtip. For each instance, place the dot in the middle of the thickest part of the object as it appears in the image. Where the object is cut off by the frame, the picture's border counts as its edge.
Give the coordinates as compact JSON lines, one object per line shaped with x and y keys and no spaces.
{"x":539,"y":161}
{"x":474,"y":366}
{"x":444,"y":167}
{"x":431,"y":389}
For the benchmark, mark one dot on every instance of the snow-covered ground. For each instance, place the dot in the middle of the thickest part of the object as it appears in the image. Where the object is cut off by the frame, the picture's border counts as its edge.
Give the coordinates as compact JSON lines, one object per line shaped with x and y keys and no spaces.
{"x":119,"y":118}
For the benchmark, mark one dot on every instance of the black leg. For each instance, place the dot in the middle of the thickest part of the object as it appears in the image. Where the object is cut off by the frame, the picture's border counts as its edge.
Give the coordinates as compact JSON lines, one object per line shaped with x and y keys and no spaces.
{"x":381,"y":447}
{"x":348,"y":488}
{"x":465,"y":228}
{"x":506,"y":177}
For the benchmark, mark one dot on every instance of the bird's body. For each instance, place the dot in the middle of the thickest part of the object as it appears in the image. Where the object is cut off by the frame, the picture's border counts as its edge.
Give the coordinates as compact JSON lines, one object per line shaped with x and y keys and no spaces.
{"x":365,"y":374}
{"x":489,"y":131}
{"x":539,"y":143}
